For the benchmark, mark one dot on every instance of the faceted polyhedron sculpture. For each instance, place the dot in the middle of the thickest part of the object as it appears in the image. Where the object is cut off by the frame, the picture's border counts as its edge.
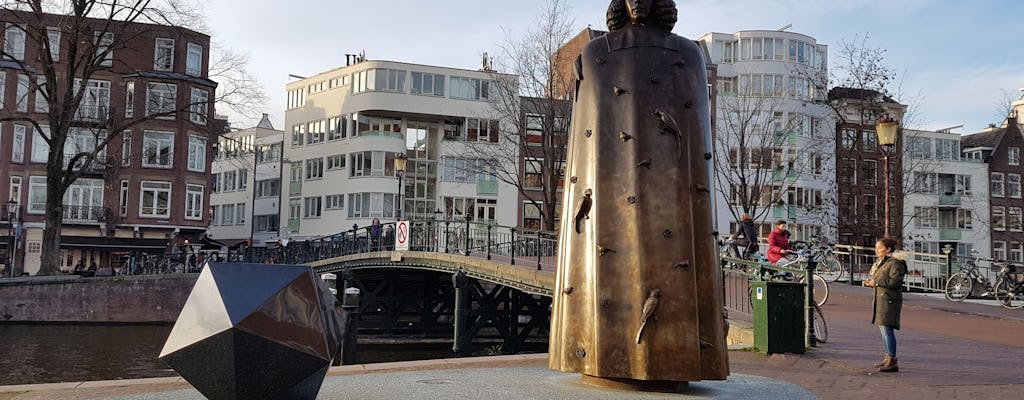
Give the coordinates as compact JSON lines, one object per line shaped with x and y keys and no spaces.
{"x":256,"y":331}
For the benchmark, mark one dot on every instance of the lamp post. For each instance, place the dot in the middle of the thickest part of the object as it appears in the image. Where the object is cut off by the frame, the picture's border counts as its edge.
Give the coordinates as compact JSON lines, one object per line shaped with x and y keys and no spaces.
{"x":400,"y":162}
{"x":886,"y":129}
{"x":12,"y":230}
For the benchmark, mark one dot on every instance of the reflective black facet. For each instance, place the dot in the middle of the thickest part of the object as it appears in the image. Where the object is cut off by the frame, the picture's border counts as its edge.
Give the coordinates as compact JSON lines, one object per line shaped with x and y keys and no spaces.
{"x":256,"y":331}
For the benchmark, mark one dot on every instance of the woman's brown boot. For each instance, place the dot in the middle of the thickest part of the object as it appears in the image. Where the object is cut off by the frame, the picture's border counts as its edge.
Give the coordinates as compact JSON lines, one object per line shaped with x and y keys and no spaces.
{"x":883,"y":362}
{"x":892,"y":366}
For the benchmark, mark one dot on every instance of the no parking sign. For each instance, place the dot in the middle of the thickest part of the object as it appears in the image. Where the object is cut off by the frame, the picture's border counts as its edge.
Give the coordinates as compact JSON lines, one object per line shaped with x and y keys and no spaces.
{"x":402,"y":235}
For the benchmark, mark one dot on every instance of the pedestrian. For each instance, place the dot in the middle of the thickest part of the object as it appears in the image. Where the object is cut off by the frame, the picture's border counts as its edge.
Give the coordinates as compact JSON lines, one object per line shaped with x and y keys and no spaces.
{"x":746,"y":240}
{"x":887,"y":279}
{"x":375,"y":232}
{"x":778,"y":244}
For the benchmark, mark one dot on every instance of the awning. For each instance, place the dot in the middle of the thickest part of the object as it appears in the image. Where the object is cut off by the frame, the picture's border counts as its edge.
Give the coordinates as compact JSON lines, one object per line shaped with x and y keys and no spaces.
{"x":113,"y":244}
{"x":210,"y":243}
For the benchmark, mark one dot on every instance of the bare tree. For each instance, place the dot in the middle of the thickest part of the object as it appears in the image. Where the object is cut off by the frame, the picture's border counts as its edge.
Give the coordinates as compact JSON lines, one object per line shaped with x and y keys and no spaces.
{"x":761,"y":157}
{"x":1003,"y":105}
{"x":527,"y":98}
{"x":76,"y":128}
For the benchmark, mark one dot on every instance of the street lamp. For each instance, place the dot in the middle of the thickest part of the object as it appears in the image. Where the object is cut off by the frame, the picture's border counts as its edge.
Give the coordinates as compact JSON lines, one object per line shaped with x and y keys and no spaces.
{"x":12,"y":213}
{"x":400,"y":162}
{"x":886,"y":129}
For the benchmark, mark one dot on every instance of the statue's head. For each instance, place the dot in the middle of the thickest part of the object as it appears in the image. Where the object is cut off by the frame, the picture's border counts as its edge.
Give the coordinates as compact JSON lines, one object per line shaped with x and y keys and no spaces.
{"x":659,"y":13}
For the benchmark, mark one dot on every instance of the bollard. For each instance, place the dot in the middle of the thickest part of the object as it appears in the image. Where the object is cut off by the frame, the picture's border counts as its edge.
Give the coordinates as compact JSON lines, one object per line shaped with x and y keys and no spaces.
{"x":459,"y":281}
{"x":512,"y":246}
{"x":350,"y":303}
{"x":488,"y":241}
{"x":809,"y":303}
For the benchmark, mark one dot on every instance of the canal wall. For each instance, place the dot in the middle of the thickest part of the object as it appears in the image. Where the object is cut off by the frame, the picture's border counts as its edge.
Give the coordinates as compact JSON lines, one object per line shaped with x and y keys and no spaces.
{"x":71,"y":299}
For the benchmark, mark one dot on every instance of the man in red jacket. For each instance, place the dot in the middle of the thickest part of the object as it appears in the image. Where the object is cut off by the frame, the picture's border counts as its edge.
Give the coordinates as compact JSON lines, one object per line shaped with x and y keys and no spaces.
{"x":778,"y":243}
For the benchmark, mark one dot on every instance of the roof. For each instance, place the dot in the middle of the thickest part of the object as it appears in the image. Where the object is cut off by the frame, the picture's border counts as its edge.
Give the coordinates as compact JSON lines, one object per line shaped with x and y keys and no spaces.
{"x":265,"y":122}
{"x":839,"y":93}
{"x":989,"y":139}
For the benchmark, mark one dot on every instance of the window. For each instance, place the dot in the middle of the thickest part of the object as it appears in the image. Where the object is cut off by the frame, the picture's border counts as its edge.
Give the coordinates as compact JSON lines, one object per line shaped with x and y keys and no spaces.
{"x":3,"y":79}
{"x":160,"y":100}
{"x":129,"y":99}
{"x":228,"y":179}
{"x":997,"y":184}
{"x":298,"y":135}
{"x":314,"y":169}
{"x":927,"y":217}
{"x":14,"y":43}
{"x":483,"y":130}
{"x":198,"y":106}
{"x":103,"y":50}
{"x":163,"y":56}
{"x":95,"y":100}
{"x":268,"y":188}
{"x":316,"y":130}
{"x":240,"y":213}
{"x":369,"y":205}
{"x":999,"y":250}
{"x":295,"y":179}
{"x":296,"y":98}
{"x":470,"y":88}
{"x":266,"y":223}
{"x":335,"y":201}
{"x":227,"y":214}
{"x":531,"y":215}
{"x":53,"y":39}
{"x":486,"y":210}
{"x":336,"y":161}
{"x":380,"y":79}
{"x":268,"y":154}
{"x":1013,"y":156}
{"x":999,"y":218}
{"x":1013,"y":219}
{"x":963,"y":185}
{"x":1015,"y":252}
{"x":534,"y":129}
{"x":123,"y":201}
{"x":947,"y":149}
{"x":372,"y":163}
{"x":18,"y":147}
{"x":40,"y":148}
{"x":429,"y":84}
{"x":870,"y":172}
{"x":311,"y":207}
{"x":154,"y":199}
{"x":42,"y":92}
{"x":194,"y":61}
{"x":157,"y":149}
{"x":15,"y":192}
{"x":194,"y":202}
{"x":36,"y":194}
{"x":533,"y":177}
{"x":337,"y":127}
{"x":196,"y":153}
{"x":126,"y":148}
{"x":1013,"y":185}
{"x":21,"y":101}
{"x":965,"y":219}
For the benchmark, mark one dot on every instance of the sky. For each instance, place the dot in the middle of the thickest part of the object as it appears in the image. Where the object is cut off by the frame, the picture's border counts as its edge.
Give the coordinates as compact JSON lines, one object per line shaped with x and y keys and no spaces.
{"x":955,"y":60}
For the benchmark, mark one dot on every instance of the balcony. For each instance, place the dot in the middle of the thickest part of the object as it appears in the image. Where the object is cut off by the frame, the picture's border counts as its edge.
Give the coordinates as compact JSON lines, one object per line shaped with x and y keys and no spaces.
{"x":949,"y":234}
{"x":295,"y":188}
{"x":487,"y":187}
{"x":294,"y":224}
{"x":85,"y":213}
{"x":949,"y":199}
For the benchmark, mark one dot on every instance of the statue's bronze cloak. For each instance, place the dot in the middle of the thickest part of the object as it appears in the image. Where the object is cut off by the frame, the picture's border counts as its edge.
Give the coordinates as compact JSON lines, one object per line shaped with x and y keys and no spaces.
{"x":637,"y":216}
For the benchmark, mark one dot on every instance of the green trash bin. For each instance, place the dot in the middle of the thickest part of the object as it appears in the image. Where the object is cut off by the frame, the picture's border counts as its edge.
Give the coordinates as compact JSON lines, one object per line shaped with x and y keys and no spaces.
{"x":778,"y":317}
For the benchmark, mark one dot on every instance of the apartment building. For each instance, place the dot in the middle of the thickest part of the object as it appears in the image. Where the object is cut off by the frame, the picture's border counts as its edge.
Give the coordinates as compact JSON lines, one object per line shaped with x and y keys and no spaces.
{"x":999,"y":148}
{"x":946,"y":195}
{"x":246,"y":186}
{"x":773,"y":134}
{"x":148,"y":188}
{"x":346,"y":127}
{"x":861,"y":166}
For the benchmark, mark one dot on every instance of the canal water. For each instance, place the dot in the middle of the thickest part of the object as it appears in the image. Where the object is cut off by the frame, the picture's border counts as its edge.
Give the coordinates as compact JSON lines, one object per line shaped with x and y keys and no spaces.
{"x":70,"y":353}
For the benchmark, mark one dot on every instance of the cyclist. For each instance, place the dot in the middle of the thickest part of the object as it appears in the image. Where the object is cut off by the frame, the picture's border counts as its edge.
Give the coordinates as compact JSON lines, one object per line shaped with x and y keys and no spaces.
{"x":778,"y":244}
{"x":746,"y":237}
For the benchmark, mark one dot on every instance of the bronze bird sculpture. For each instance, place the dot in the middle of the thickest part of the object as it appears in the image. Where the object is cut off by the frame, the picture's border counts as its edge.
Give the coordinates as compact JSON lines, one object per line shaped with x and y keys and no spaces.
{"x":669,"y":125}
{"x":583,"y":210}
{"x":649,"y":306}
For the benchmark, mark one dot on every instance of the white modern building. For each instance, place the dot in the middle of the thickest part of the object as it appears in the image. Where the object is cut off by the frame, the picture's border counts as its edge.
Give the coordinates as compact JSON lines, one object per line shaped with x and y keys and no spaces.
{"x":773,"y":133}
{"x":345,"y":128}
{"x":246,"y":183}
{"x":946,"y":195}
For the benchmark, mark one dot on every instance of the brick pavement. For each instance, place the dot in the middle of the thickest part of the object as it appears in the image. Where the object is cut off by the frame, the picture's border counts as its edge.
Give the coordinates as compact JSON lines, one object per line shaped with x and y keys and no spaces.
{"x":947,"y":351}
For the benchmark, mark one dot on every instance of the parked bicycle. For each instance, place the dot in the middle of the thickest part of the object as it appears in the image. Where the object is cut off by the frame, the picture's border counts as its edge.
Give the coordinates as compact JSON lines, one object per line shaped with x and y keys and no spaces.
{"x":1009,"y":288}
{"x":961,"y":284}
{"x":818,"y":318}
{"x":820,"y":284}
{"x":829,"y":265}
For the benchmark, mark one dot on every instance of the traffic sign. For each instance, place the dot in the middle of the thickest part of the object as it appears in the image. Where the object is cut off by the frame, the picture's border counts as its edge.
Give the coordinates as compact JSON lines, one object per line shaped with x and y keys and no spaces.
{"x":402,"y":235}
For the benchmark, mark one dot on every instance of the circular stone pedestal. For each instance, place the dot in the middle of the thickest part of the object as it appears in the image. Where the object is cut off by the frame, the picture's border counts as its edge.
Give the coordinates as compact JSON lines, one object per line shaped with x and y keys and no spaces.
{"x":517,"y":383}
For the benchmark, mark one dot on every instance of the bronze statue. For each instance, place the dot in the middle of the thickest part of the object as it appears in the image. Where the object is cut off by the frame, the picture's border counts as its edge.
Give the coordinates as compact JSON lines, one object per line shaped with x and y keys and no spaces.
{"x":638,"y":296}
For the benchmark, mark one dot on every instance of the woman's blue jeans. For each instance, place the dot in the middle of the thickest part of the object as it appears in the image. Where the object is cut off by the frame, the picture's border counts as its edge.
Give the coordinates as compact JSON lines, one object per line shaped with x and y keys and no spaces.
{"x":888,"y":339}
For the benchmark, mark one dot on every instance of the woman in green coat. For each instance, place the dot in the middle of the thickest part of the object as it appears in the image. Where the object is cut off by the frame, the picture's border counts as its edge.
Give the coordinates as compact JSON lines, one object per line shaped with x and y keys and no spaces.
{"x":887,"y":279}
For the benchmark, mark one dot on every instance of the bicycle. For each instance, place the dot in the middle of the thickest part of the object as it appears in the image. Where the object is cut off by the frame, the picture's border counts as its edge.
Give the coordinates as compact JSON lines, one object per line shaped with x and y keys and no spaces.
{"x":829,"y":265}
{"x":820,"y":284}
{"x":961,"y":284}
{"x":1009,"y":288}
{"x":818,"y":318}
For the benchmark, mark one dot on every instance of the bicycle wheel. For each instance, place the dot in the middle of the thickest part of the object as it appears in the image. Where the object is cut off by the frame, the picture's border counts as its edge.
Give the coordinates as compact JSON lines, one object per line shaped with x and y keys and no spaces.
{"x":820,"y":327}
{"x":830,"y":268}
{"x":959,"y":286}
{"x":1008,"y":294}
{"x":820,"y":289}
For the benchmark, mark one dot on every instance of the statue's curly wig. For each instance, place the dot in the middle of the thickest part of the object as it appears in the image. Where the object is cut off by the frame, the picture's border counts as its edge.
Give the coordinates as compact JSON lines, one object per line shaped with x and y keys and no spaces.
{"x":663,"y":14}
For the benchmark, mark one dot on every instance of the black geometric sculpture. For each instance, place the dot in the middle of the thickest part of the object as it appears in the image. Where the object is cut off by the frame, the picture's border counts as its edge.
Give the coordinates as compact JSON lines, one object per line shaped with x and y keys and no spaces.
{"x":256,"y":331}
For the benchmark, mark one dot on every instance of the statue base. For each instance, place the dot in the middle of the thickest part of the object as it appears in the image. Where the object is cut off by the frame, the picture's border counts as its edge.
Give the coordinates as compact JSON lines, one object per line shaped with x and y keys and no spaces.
{"x":636,"y":385}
